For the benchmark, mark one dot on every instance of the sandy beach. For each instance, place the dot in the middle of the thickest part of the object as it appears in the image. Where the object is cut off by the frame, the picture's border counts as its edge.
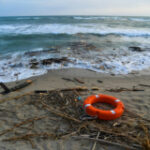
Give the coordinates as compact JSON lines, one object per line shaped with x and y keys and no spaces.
{"x":133,"y":90}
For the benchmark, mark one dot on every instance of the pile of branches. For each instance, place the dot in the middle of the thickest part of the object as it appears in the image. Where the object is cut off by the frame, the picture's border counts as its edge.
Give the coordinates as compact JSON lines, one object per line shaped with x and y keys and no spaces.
{"x":131,"y":131}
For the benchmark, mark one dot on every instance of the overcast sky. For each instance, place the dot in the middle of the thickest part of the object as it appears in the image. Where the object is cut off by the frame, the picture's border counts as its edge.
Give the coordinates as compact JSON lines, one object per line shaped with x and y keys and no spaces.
{"x":74,"y":7}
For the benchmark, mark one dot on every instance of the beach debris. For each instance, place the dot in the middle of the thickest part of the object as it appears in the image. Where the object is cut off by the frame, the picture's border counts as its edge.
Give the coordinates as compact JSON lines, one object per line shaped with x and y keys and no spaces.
{"x":17,"y":87}
{"x":60,"y":105}
{"x":124,"y":89}
{"x":136,"y":49}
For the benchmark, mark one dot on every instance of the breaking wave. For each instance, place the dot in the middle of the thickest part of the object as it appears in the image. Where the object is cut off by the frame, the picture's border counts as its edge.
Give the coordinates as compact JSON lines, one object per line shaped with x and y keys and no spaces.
{"x":72,"y":29}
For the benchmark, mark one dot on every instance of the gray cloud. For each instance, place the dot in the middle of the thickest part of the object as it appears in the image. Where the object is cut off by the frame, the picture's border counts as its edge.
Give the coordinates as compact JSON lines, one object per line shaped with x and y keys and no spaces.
{"x":74,"y":7}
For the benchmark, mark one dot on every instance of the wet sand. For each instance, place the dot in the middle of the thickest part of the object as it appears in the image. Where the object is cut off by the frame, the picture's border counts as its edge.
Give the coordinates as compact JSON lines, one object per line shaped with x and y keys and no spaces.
{"x":136,"y":101}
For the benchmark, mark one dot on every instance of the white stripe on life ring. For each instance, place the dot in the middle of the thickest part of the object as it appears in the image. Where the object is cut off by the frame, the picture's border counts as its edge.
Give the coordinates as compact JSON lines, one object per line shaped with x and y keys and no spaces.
{"x":97,"y":96}
{"x":117,"y":100}
{"x":87,"y":105}
{"x":113,"y":112}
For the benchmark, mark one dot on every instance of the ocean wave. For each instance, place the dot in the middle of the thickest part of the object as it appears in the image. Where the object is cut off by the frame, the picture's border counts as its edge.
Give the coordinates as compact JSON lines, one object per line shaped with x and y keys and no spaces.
{"x":140,"y":19}
{"x":99,"y":17}
{"x":27,"y":18}
{"x":88,"y":18}
{"x":72,"y":29}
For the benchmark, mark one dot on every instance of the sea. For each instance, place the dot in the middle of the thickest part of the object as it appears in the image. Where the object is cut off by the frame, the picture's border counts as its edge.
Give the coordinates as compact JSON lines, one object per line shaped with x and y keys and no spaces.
{"x":105,"y":44}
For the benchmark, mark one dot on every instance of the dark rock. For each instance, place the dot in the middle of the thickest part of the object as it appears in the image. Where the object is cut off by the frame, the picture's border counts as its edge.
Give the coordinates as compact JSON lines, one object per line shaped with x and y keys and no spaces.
{"x":34,"y":63}
{"x":54,"y":60}
{"x":136,"y":49}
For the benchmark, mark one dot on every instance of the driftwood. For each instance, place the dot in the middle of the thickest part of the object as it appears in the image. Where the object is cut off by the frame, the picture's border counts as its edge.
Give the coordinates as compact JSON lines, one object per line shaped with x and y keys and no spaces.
{"x":124,"y":89}
{"x":15,"y":88}
{"x":65,"y":89}
{"x":6,"y":89}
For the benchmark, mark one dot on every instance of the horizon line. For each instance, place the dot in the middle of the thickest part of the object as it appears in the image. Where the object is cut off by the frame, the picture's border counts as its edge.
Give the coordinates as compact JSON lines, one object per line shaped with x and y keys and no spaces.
{"x":75,"y":15}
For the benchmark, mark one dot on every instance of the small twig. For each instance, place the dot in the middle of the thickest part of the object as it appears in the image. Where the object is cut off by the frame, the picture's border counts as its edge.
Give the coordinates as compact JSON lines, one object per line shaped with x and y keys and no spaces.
{"x":106,"y":142}
{"x":136,"y":115}
{"x":22,"y":123}
{"x":29,"y":136}
{"x":94,"y":145}
{"x":14,"y":98}
{"x":80,"y":88}
{"x":144,"y":85}
{"x":66,"y":116}
{"x":67,"y":79}
{"x":78,"y":80}
{"x":124,"y":89}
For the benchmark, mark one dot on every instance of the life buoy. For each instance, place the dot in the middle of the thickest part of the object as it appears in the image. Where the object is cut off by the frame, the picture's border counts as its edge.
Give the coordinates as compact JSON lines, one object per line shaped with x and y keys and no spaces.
{"x":104,"y":114}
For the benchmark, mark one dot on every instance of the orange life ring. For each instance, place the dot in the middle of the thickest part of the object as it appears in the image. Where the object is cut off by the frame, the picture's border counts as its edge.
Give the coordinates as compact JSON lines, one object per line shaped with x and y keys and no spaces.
{"x":104,"y":114}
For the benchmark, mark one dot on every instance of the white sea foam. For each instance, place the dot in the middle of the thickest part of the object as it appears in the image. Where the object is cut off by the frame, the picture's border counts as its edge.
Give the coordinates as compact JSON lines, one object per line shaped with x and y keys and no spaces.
{"x":18,"y":67}
{"x":72,"y":29}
